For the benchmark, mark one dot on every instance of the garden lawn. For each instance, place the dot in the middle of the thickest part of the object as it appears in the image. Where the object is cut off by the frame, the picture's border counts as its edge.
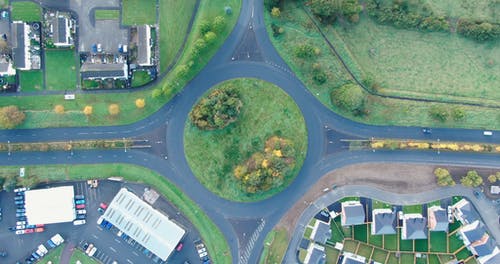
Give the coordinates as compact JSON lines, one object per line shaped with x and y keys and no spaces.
{"x":60,"y":69}
{"x":380,"y":205}
{"x":173,"y":22}
{"x":332,"y":255}
{"x":405,"y":245}
{"x":26,"y":11}
{"x":102,"y":14}
{"x":140,"y":78}
{"x":463,"y":254}
{"x":307,"y":232}
{"x":275,"y":246}
{"x":81,"y":257}
{"x":337,"y":235}
{"x":53,"y":256}
{"x":350,"y":245}
{"x":391,"y":242}
{"x":365,"y":250}
{"x":433,"y":259}
{"x":4,"y":3}
{"x":412,"y":209}
{"x":214,"y":240}
{"x":30,"y":80}
{"x":407,"y":258}
{"x":379,"y":255}
{"x":360,"y":233}
{"x":392,"y":259}
{"x":439,"y":242}
{"x":375,"y":240}
{"x":421,"y":245}
{"x":454,"y":243}
{"x":266,"y":111}
{"x":139,"y":12}
{"x":299,"y":29}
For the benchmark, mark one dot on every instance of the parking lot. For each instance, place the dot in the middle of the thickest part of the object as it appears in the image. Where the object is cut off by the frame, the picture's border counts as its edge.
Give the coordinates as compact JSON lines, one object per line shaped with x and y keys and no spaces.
{"x":110,"y":247}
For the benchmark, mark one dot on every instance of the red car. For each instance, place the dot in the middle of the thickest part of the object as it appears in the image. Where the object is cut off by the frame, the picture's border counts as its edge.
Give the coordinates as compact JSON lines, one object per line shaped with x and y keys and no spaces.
{"x":29,"y":230}
{"x":40,"y":225}
{"x":80,"y":206}
{"x":39,"y":229}
{"x":179,"y":247}
{"x":103,"y":206}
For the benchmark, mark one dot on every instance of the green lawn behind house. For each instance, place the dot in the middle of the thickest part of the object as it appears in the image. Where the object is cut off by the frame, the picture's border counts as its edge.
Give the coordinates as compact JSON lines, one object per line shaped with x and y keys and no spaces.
{"x":26,"y":11}
{"x":139,"y":12}
{"x":211,"y":235}
{"x":102,"y":14}
{"x":266,"y":111}
{"x":140,"y":78}
{"x":60,"y":69}
{"x":30,"y":80}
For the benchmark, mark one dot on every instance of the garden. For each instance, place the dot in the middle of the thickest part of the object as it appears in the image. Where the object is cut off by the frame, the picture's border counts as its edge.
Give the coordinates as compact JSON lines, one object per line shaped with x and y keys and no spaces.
{"x":251,"y":145}
{"x":445,"y":67}
{"x":26,"y":11}
{"x":60,"y":69}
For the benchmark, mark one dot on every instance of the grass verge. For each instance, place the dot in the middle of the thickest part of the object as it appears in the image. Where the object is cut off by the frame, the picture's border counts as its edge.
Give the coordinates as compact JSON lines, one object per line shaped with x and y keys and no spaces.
{"x":30,"y":80}
{"x":54,"y":256}
{"x":39,"y":112}
{"x":60,"y":69}
{"x":78,"y":255}
{"x":180,"y":12}
{"x":26,"y":11}
{"x":101,"y":14}
{"x":266,"y":111}
{"x":139,"y":12}
{"x":214,"y":239}
{"x":275,"y":246}
{"x":299,"y":29}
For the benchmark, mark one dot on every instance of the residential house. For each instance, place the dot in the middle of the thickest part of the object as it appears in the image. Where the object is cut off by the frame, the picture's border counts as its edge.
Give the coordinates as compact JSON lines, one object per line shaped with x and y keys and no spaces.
{"x":353,"y":213}
{"x":20,"y":45}
{"x":321,"y":232}
{"x":144,"y":45}
{"x":438,"y":219}
{"x":478,"y":242}
{"x":414,"y":227}
{"x":6,"y":68}
{"x":350,"y":258}
{"x":384,"y":222}
{"x":464,"y":212}
{"x":61,"y":30}
{"x":103,"y":71}
{"x":315,"y":254}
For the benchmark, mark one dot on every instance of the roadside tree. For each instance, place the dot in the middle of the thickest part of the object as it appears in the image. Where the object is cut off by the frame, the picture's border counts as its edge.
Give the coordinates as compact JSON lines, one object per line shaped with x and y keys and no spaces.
{"x":11,"y":116}
{"x":114,"y":109}
{"x":492,"y":178}
{"x":140,"y":103}
{"x":59,"y":109}
{"x":472,"y":179}
{"x":443,"y":177}
{"x":349,"y":97}
{"x":87,"y":110}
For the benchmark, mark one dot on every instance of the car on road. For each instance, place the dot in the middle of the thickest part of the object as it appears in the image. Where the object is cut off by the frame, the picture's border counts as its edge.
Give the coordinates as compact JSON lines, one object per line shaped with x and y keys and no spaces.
{"x":488,"y":133}
{"x":478,"y":194}
{"x":426,"y":130}
{"x":80,"y":206}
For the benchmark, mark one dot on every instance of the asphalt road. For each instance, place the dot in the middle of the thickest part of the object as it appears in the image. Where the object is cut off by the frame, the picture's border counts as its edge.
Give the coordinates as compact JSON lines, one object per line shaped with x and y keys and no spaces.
{"x":261,"y":61}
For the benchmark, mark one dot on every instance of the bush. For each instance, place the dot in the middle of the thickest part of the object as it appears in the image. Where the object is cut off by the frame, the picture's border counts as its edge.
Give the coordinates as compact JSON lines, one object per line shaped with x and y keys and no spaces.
{"x":457,"y":113}
{"x":319,"y":76}
{"x":479,"y":30}
{"x":87,"y":110}
{"x":59,"y":109}
{"x":443,"y":177}
{"x":349,"y":97}
{"x":304,"y":51}
{"x":114,"y":109}
{"x":439,"y":113}
{"x":219,"y":109}
{"x":205,"y":26}
{"x":219,"y":24}
{"x":276,"y":30}
{"x":210,"y":37}
{"x":11,"y":116}
{"x":140,"y":103}
{"x":472,"y":179}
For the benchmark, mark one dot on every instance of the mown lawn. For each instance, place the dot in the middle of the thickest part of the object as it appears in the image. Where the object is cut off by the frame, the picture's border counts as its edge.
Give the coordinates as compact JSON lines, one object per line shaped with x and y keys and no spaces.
{"x":140,"y":78}
{"x":215,"y":241}
{"x":60,"y":69}
{"x":81,"y":257}
{"x":360,"y":233}
{"x":299,"y":29}
{"x":266,"y":111}
{"x":139,"y":12}
{"x":30,"y":80}
{"x":438,"y":242}
{"x":391,"y":242}
{"x":101,"y":14}
{"x":26,"y":11}
{"x":275,"y":246}
{"x":332,"y":255}
{"x":173,"y":22}
{"x":412,"y":209}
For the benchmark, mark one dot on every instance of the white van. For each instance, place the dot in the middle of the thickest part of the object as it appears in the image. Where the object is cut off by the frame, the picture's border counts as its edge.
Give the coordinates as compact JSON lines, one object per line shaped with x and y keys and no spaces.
{"x":488,"y":133}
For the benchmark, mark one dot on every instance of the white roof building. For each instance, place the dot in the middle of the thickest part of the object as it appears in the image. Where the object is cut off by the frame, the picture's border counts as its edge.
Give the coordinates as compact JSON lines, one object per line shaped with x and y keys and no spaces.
{"x":50,"y":206}
{"x":143,"y":223}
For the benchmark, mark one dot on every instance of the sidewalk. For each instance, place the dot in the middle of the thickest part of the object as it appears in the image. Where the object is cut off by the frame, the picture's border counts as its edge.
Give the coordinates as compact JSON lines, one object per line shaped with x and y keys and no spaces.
{"x":67,"y":252}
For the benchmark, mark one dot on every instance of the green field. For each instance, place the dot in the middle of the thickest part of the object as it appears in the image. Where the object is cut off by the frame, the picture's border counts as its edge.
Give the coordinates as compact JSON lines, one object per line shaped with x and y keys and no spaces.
{"x":140,"y":78}
{"x":477,"y":9}
{"x":211,"y":235}
{"x":139,"y":12}
{"x":275,"y":246}
{"x":60,"y":69}
{"x":437,"y":66}
{"x":173,"y":22}
{"x":26,"y":11}
{"x":81,"y":257}
{"x":101,"y":14}
{"x":299,"y":29}
{"x":53,"y":256}
{"x":266,"y":111}
{"x":30,"y":80}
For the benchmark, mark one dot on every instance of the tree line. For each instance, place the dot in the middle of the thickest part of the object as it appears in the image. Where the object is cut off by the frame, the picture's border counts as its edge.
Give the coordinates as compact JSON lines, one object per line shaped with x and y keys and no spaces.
{"x":216,"y":111}
{"x":471,"y":179}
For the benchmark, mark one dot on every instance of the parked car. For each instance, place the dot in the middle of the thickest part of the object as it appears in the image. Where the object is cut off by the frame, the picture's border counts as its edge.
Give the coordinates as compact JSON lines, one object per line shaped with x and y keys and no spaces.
{"x":79,"y":222}
{"x":103,"y":206}
{"x":22,"y":189}
{"x":21,"y":210}
{"x":19,"y":232}
{"x":19,"y":202}
{"x":39,"y":229}
{"x":179,"y":246}
{"x":20,"y":214}
{"x":18,"y":198}
{"x":82,"y":211}
{"x":51,"y":244}
{"x":29,"y":230}
{"x":80,"y":216}
{"x":85,"y":246}
{"x":79,"y":201}
{"x":20,"y":222}
{"x":80,"y":206}
{"x":91,"y":246}
{"x":92,"y":252}
{"x":3,"y":253}
{"x":19,"y":227}
{"x":79,"y":197}
{"x":39,"y":225}
{"x":100,"y":210}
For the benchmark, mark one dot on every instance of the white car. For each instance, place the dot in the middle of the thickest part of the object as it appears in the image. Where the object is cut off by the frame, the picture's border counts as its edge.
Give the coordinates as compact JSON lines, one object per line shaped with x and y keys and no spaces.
{"x":79,"y":222}
{"x":99,"y":221}
{"x":19,"y":232}
{"x":92,"y":252}
{"x":43,"y":249}
{"x":20,"y":189}
{"x":81,"y":211}
{"x":20,"y":222}
{"x":91,"y":246}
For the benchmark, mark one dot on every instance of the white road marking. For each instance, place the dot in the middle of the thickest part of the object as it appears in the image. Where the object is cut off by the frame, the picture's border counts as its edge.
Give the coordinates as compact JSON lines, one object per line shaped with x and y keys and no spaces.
{"x":112,"y":249}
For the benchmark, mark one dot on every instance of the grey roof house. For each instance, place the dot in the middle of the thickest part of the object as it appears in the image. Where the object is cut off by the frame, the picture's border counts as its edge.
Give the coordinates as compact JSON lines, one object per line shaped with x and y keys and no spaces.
{"x":438,"y":219}
{"x":321,"y":232}
{"x":353,"y":213}
{"x":20,"y":52}
{"x":144,"y":45}
{"x":414,"y":227}
{"x":464,"y":212}
{"x":384,"y":222}
{"x":315,"y":254}
{"x":62,"y":32}
{"x":104,"y":71}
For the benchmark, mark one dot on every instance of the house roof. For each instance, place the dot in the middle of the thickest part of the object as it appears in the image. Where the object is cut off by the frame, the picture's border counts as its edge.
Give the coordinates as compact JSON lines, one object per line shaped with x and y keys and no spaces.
{"x":60,"y":33}
{"x":18,"y":45}
{"x":384,"y":222}
{"x":353,"y":213}
{"x":495,"y":259}
{"x":144,"y":45}
{"x":317,"y":257}
{"x":495,"y":189}
{"x":322,"y":232}
{"x":414,"y":227}
{"x":438,"y":219}
{"x":486,"y":248}
{"x":104,"y":70}
{"x":466,"y":211}
{"x":474,"y":231}
{"x":350,"y":258}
